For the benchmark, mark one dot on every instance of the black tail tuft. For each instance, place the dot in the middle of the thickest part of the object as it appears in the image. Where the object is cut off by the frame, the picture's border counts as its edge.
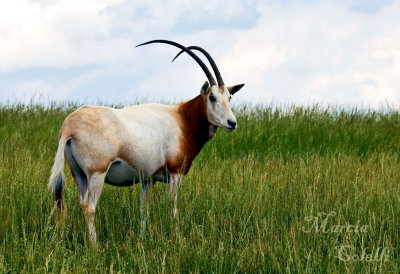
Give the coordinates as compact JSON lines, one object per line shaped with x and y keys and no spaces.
{"x":58,"y":192}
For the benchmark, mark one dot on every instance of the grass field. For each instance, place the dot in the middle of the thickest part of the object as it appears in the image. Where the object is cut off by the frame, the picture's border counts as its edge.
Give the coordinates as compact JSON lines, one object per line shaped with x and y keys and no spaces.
{"x":293,"y":189}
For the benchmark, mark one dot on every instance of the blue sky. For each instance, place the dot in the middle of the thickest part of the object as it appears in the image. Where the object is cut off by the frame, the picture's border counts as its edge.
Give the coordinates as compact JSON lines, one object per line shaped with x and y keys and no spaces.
{"x":335,"y":52}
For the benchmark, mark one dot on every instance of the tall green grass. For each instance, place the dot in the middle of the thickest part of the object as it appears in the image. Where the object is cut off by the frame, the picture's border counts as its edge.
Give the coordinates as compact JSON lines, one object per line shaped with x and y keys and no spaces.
{"x":243,"y":207}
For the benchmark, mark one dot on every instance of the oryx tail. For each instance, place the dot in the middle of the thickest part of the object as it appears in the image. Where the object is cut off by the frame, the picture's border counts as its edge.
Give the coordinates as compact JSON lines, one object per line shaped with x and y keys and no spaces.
{"x":57,"y":177}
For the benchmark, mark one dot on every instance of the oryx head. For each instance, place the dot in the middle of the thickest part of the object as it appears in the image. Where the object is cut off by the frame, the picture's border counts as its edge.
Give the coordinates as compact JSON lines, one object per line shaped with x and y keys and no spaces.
{"x":217,"y":99}
{"x":215,"y":96}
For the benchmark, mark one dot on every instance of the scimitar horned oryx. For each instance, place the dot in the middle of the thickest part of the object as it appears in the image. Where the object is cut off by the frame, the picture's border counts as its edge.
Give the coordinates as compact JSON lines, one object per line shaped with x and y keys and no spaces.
{"x":141,"y":143}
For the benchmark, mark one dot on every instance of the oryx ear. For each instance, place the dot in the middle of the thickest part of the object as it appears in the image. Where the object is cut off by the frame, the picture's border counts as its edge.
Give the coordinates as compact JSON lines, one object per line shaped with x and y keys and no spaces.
{"x":233,"y":89}
{"x":204,"y":88}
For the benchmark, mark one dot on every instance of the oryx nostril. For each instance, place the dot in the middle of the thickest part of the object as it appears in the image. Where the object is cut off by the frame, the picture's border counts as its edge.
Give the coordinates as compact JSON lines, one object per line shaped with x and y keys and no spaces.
{"x":232,"y":123}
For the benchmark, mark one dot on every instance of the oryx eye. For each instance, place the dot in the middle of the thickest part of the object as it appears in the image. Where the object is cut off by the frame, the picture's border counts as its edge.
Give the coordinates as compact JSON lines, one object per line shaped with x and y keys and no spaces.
{"x":212,"y":99}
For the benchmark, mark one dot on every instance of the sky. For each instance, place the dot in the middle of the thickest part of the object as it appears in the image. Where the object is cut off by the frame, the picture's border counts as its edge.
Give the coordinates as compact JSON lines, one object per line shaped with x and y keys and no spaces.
{"x":302,"y":52}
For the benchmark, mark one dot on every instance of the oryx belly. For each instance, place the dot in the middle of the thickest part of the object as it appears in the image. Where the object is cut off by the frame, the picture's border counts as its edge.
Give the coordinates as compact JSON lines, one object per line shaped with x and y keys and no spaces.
{"x":121,"y":173}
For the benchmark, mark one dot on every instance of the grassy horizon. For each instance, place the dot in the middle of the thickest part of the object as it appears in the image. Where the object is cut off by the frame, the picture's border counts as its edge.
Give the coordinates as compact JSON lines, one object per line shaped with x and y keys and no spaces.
{"x":247,"y":204}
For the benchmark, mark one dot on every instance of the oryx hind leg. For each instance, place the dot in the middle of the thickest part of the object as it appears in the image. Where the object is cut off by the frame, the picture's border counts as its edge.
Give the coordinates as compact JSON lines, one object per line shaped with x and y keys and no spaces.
{"x":95,"y":186}
{"x":89,"y":163}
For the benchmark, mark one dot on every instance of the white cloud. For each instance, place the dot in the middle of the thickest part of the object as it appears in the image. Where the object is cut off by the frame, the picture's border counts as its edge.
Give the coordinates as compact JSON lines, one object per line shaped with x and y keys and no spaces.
{"x":56,"y":34}
{"x":300,"y":52}
{"x":323,"y":53}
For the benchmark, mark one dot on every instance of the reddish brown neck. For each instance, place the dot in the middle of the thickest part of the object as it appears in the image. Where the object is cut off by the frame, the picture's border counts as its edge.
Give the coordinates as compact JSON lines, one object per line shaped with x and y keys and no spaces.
{"x":195,"y":127}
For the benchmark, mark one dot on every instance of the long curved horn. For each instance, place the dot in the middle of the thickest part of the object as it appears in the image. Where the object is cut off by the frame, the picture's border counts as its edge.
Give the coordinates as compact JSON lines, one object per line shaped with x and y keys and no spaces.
{"x":194,"y":56}
{"x":210,"y":59}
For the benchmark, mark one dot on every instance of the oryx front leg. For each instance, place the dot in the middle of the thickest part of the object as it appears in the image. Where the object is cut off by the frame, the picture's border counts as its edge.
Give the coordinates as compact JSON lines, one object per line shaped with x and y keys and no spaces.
{"x":144,"y":206}
{"x":174,"y":183}
{"x":95,"y":186}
